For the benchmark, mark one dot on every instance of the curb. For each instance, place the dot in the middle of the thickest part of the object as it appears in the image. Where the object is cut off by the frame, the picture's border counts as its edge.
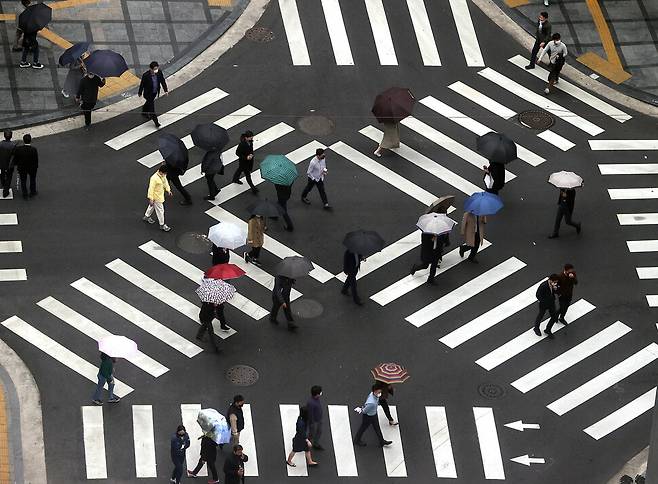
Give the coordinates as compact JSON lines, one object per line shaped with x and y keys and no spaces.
{"x":637,"y":465}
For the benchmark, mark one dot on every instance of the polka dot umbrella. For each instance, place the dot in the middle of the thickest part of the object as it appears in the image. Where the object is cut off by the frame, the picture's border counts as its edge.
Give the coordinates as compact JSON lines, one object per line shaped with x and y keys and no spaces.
{"x":390,"y":373}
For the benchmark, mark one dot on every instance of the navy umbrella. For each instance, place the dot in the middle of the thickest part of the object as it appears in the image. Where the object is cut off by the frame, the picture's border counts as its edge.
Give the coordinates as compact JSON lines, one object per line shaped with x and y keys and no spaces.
{"x":73,"y":53}
{"x":294,"y":267}
{"x":363,"y":242}
{"x":496,"y":147}
{"x":209,"y":137}
{"x":106,"y":63}
{"x":34,"y":18}
{"x":174,"y":152}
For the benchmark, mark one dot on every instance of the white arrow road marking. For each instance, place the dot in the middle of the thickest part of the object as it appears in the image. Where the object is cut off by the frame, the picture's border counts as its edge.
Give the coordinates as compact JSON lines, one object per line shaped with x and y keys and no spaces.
{"x":527,"y":460}
{"x":520,"y":426}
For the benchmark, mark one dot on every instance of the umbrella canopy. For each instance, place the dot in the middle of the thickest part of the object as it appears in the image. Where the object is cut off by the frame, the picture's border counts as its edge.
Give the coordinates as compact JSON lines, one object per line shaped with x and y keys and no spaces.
{"x":565,"y":179}
{"x":212,"y":163}
{"x":441,"y":205}
{"x":435,"y":223}
{"x":278,"y":169}
{"x":215,"y":291}
{"x":174,"y":151}
{"x":73,"y":53}
{"x":363,"y":242}
{"x":34,"y":18}
{"x":228,"y":236}
{"x":264,"y":208}
{"x":496,"y":147}
{"x":224,"y":271}
{"x":390,"y":373}
{"x":209,"y":137}
{"x":393,"y":105}
{"x":483,"y":203}
{"x":294,"y":267}
{"x":106,"y":63}
{"x":214,"y":425}
{"x":117,"y":346}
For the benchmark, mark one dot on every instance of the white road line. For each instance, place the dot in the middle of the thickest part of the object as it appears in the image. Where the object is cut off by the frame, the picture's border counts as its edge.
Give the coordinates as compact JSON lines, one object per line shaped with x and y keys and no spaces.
{"x":96,"y":332}
{"x":476,"y":127}
{"x":528,"y":338}
{"x":571,"y":357}
{"x":633,"y":193}
{"x":605,"y":380}
{"x":541,"y":101}
{"x":58,"y":352}
{"x":556,"y":140}
{"x":444,"y":460}
{"x":337,"y":34}
{"x":492,"y":317}
{"x":465,"y":292}
{"x":647,"y":272}
{"x":622,"y":416}
{"x":492,"y":460}
{"x":8,"y":275}
{"x":393,"y":454}
{"x":409,"y":282}
{"x":144,"y":441}
{"x":466,"y":32}
{"x":424,"y":163}
{"x":11,"y":246}
{"x":135,"y":316}
{"x":93,"y":436}
{"x":8,"y":219}
{"x":258,"y":275}
{"x":629,"y":169}
{"x":424,"y":34}
{"x":573,"y":90}
{"x":482,"y":100}
{"x":638,"y":218}
{"x":195,"y":274}
{"x":341,"y":436}
{"x":8,"y":197}
{"x":289,"y":414}
{"x":642,"y":245}
{"x":450,"y":144}
{"x":170,"y":117}
{"x":652,"y":300}
{"x":381,"y":33}
{"x":189,"y":413}
{"x":623,"y":144}
{"x":294,"y":33}
{"x":248,"y":442}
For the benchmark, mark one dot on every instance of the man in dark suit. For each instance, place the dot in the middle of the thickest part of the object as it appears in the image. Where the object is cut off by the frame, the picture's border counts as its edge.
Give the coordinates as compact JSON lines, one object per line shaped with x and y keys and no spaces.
{"x":351,"y":265}
{"x":245,"y":152}
{"x":87,"y":95}
{"x":26,"y":160}
{"x":546,"y":297}
{"x":567,"y":279}
{"x":431,"y":251}
{"x":283,"y":193}
{"x":281,"y":299}
{"x":542,"y":35}
{"x":150,"y":85}
{"x":565,"y":205}
{"x":7,"y":147}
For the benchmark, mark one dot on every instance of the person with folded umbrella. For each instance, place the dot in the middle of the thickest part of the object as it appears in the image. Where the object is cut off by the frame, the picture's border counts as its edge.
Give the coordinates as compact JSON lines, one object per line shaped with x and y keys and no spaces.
{"x":255,"y":238}
{"x":317,"y":170}
{"x":87,"y":95}
{"x":158,"y":185}
{"x":149,"y":86}
{"x":566,"y":202}
{"x":180,"y":442}
{"x":351,"y":265}
{"x":245,"y":153}
{"x":472,"y":229}
{"x":212,"y":165}
{"x":281,"y":300}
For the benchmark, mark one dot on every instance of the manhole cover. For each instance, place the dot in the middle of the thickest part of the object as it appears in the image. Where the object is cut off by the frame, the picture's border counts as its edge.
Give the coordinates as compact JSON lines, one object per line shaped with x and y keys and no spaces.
{"x":316,"y":125}
{"x":259,"y":34}
{"x":242,"y":375}
{"x":194,"y":243}
{"x":307,"y":308}
{"x":491,"y":390}
{"x":536,"y":119}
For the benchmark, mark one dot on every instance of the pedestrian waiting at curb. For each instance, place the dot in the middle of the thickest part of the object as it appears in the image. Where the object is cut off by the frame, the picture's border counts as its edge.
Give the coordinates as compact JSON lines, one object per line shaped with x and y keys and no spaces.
{"x":281,"y":300}
{"x":317,"y":170}
{"x":557,"y":53}
{"x":149,"y":86}
{"x":105,"y":375}
{"x":87,"y":95}
{"x":234,"y":466}
{"x":565,"y":204}
{"x":7,"y":148}
{"x":26,"y":160}
{"x":301,"y":442}
{"x":369,"y":418}
{"x":255,"y":239}
{"x":314,"y":406}
{"x":158,"y":185}
{"x":542,"y":36}
{"x":235,"y":418}
{"x":546,"y":297}
{"x":207,"y":456}
{"x":567,"y":280}
{"x":179,"y":443}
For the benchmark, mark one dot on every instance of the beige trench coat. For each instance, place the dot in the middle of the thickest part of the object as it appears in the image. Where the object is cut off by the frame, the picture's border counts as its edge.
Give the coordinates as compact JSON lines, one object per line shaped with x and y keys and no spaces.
{"x":468,"y":229}
{"x":256,"y":231}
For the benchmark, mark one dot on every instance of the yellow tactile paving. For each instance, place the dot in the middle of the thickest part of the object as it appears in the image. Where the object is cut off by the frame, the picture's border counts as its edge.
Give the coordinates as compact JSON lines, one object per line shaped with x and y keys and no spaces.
{"x":116,"y":85}
{"x":54,"y":38}
{"x":5,"y":469}
{"x":516,"y":3}
{"x":7,"y":17}
{"x":219,"y":3}
{"x":69,"y":3}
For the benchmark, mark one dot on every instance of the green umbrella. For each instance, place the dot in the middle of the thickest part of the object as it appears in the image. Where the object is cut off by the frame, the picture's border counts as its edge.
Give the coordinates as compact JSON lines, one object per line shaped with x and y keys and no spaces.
{"x":278,"y":169}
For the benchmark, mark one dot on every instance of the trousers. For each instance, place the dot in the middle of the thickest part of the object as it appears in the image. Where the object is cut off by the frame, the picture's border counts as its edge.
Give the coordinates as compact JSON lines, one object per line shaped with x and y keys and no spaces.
{"x":177,"y":473}
{"x":563,"y":211}
{"x":423,"y":265}
{"x":284,"y":212}
{"x":211,"y":468}
{"x":33,"y":182}
{"x":535,"y":51}
{"x":350,"y":283}
{"x":387,"y":411}
{"x":312,"y":183}
{"x":315,"y":432}
{"x":5,"y":181}
{"x":565,"y":302}
{"x":149,"y":109}
{"x":551,"y":311}
{"x":158,"y":208}
{"x":244,"y":167}
{"x":276,"y":305}
{"x":86,"y":111}
{"x":175,"y":181}
{"x":367,"y":421}
{"x":212,"y":186}
{"x":474,"y":249}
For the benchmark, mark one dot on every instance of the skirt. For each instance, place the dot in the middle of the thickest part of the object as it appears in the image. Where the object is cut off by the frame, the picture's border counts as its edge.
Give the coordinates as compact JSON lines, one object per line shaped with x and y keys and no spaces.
{"x":391,"y":137}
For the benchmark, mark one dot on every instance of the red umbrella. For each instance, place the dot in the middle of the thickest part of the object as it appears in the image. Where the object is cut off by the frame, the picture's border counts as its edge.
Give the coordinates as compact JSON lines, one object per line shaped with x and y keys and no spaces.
{"x":224,"y":272}
{"x":393,"y":105}
{"x":390,"y":373}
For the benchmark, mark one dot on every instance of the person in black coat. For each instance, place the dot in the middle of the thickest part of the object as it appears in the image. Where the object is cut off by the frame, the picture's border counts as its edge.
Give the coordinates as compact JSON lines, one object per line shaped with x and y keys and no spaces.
{"x":26,"y":160}
{"x":565,"y":205}
{"x":431,"y":252}
{"x":220,"y":255}
{"x":542,"y":35}
{"x":234,"y":466}
{"x":245,"y":153}
{"x":7,"y":147}
{"x":208,"y":456}
{"x":180,"y":441}
{"x":351,"y":264}
{"x":152,"y":81}
{"x":87,"y":95}
{"x":212,"y":165}
{"x":173,"y":175}
{"x":546,"y":297}
{"x":281,"y":299}
{"x":497,"y":173}
{"x":283,"y":193}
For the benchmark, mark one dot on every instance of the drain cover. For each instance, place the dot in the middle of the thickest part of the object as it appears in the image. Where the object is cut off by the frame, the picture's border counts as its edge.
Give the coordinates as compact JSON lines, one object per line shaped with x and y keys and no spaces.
{"x":194,"y":243}
{"x":259,"y":34}
{"x":307,"y":308}
{"x":535,"y":119}
{"x":491,"y":390}
{"x":242,"y":375}
{"x":316,"y":125}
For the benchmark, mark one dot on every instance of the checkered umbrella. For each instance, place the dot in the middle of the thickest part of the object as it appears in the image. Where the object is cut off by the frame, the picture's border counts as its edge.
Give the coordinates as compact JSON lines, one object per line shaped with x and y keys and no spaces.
{"x":390,"y":373}
{"x":278,"y":169}
{"x":215,"y":291}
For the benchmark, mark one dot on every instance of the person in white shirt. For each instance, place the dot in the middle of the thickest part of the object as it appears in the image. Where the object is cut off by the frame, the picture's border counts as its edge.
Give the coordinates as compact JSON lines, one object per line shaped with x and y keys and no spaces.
{"x":317,"y":169}
{"x":557,"y":52}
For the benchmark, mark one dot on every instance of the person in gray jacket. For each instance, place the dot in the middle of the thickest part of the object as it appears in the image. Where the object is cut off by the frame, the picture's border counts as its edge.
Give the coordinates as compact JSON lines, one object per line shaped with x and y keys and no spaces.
{"x":557,"y":53}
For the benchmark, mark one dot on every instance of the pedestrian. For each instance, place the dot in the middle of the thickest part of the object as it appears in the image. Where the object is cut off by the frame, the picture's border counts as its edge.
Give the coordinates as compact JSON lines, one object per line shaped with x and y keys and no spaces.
{"x":173,"y":174}
{"x":152,"y":81}
{"x":281,"y":299}
{"x":255,"y":238}
{"x":235,"y":418}
{"x":220,"y":255}
{"x":212,"y":165}
{"x":567,"y":279}
{"x":546,"y":297}
{"x":300,"y":442}
{"x":496,"y":177}
{"x":283,"y":193}
{"x":369,"y":417}
{"x":207,"y":313}
{"x":351,"y":265}
{"x":18,"y":42}
{"x":245,"y":153}
{"x":431,"y":252}
{"x":179,"y":443}
{"x":26,"y":161}
{"x":387,"y":391}
{"x":30,"y":43}
{"x":7,"y":148}
{"x":391,"y":138}
{"x":317,"y":170}
{"x":557,"y":52}
{"x":473,"y":231}
{"x":158,"y":185}
{"x":87,"y":95}
{"x":208,"y":456}
{"x":105,"y":375}
{"x":234,"y":466}
{"x":314,"y":406}
{"x":73,"y":78}
{"x":542,"y":35}
{"x":565,"y":204}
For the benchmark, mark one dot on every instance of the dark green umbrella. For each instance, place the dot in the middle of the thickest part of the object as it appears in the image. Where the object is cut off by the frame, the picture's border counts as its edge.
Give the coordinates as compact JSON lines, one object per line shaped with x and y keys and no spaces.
{"x":278,"y":169}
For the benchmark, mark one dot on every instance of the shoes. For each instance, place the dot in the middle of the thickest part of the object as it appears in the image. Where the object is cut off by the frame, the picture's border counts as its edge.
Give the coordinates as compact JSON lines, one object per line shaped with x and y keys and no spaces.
{"x":213,"y":482}
{"x":359,"y":302}
{"x":292,"y":326}
{"x":37,"y":65}
{"x":578,"y":229}
{"x":191,"y":475}
{"x":553,"y":236}
{"x":24,"y":64}
{"x":97,"y":402}
{"x":549,"y":335}
{"x":208,"y":198}
{"x":537,"y":332}
{"x":546,"y":3}
{"x":563,"y":321}
{"x":327,"y":206}
{"x":461,"y":252}
{"x":557,"y":81}
{"x":306,"y":201}
{"x":377,"y":154}
{"x":172,"y":480}
{"x":431,"y":282}
{"x":312,"y":464}
{"x":413,"y":270}
{"x":114,"y":399}
{"x":157,"y":125}
{"x":256,"y":262}
{"x":237,"y":181}
{"x":386,"y":442}
{"x":360,"y":443}
{"x":165,"y":228}
{"x":344,"y":293}
{"x":185,"y":202}
{"x":273,"y":321}
{"x":547,"y":91}
{"x":223,"y":327}
{"x":289,"y":229}
{"x":393,"y":423}
{"x":148,"y":220}
{"x":530,"y":66}
{"x":65,"y":94}
{"x":199,"y":338}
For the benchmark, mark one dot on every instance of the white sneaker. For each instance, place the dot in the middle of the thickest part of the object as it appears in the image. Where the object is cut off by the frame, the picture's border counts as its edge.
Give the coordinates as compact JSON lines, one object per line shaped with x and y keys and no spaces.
{"x":546,"y":3}
{"x":65,"y":94}
{"x":547,"y":90}
{"x":148,"y":219}
{"x":165,"y":228}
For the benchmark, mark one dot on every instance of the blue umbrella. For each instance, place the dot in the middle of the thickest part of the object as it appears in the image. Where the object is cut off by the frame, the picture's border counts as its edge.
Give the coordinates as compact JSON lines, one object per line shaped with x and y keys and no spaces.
{"x":106,"y":63}
{"x":70,"y":55}
{"x":483,"y":203}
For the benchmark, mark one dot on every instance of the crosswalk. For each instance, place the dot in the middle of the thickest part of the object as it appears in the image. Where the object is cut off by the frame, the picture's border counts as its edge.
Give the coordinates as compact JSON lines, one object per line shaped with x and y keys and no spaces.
{"x":10,"y":246}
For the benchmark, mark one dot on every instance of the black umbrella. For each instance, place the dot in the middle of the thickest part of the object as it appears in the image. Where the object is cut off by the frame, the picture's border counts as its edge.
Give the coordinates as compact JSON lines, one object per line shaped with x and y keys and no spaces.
{"x":70,"y":55}
{"x":106,"y":63}
{"x":174,"y":151}
{"x":264,"y":208}
{"x":363,"y":242}
{"x":496,"y":147}
{"x":212,"y":164}
{"x":393,"y":105}
{"x":294,"y":267}
{"x":34,"y":18}
{"x":209,"y":136}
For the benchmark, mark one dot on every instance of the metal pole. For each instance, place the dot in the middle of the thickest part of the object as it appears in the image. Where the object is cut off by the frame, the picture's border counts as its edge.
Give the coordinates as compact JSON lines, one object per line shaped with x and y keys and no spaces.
{"x":652,"y":464}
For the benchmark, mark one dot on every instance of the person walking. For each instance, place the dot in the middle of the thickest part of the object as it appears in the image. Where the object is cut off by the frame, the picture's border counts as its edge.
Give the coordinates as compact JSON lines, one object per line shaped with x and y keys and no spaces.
{"x":431,"y":252}
{"x":567,"y":280}
{"x":220,"y":255}
{"x":105,"y":375}
{"x":557,"y":52}
{"x":255,"y":238}
{"x":245,"y":153}
{"x":179,"y":444}
{"x":314,"y":406}
{"x":73,"y":78}
{"x":496,"y":180}
{"x":300,"y":442}
{"x":235,"y":418}
{"x":158,"y":185}
{"x":30,"y":43}
{"x":565,"y":204}
{"x":351,"y":265}
{"x":18,"y":41}
{"x":234,"y":466}
{"x":542,"y":35}
{"x":283,"y":193}
{"x":387,"y":391}
{"x":369,"y":418}
{"x":173,"y":175}
{"x":87,"y":95}
{"x":207,"y":313}
{"x":26,"y":160}
{"x":208,"y":456}
{"x":546,"y":297}
{"x":7,"y":148}
{"x":281,"y":299}
{"x":152,"y":81}
{"x":473,"y":231}
{"x":317,"y":170}
{"x":212,"y":165}
{"x":391,"y":138}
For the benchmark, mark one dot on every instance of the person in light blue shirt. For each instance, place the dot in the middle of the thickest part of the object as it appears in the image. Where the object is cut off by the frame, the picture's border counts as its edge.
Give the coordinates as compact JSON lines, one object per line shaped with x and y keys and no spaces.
{"x":317,"y":169}
{"x":369,"y":417}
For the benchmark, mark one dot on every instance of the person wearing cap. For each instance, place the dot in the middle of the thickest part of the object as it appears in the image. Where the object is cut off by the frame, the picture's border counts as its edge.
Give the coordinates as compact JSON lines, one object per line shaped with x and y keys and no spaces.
{"x":317,"y":169}
{"x":245,"y":153}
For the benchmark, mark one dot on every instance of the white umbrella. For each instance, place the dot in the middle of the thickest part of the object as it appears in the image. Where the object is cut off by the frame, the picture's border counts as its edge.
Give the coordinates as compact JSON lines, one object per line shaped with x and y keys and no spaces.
{"x":117,"y":346}
{"x":565,"y":179}
{"x":435,"y":223}
{"x":227,"y":235}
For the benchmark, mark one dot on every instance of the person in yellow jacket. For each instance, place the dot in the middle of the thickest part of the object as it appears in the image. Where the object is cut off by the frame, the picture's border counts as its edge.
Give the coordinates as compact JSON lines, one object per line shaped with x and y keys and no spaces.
{"x":158,"y":185}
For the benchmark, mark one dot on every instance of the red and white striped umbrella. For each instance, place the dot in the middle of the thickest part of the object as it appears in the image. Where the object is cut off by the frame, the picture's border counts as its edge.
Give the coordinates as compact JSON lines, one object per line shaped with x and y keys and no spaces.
{"x":390,"y":373}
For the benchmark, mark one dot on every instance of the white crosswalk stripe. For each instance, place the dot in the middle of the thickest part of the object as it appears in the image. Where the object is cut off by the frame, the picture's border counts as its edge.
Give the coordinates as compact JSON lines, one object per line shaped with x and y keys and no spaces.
{"x":289,"y":414}
{"x":7,"y":275}
{"x":629,"y":169}
{"x":637,"y":218}
{"x":8,"y":219}
{"x":423,"y":30}
{"x":381,"y":33}
{"x":633,"y":193}
{"x":623,"y":144}
{"x":393,"y":453}
{"x":10,"y":246}
{"x":642,"y":245}
{"x":189,"y":413}
{"x":337,"y":34}
{"x":622,"y":416}
{"x":8,"y":197}
{"x":466,"y":32}
{"x":248,"y":441}
{"x":294,"y":32}
{"x":444,"y":460}
{"x":492,"y":460}
{"x":647,"y":272}
{"x":341,"y":436}
{"x":145,"y":465}
{"x":93,"y":436}
{"x":556,"y":140}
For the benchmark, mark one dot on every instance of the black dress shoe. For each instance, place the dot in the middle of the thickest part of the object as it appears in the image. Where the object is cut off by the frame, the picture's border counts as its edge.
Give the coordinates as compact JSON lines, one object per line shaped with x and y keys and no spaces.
{"x":563,"y":321}
{"x":578,"y":229}
{"x":474,"y":261}
{"x":292,"y":326}
{"x":553,"y":236}
{"x":359,"y":302}
{"x":537,"y":332}
{"x":185,"y":202}
{"x":461,"y":251}
{"x":254,"y":191}
{"x":530,"y":66}
{"x":273,"y":321}
{"x":306,"y":201}
{"x":209,"y":198}
{"x":431,"y":282}
{"x":549,"y":335}
{"x":237,"y":181}
{"x":386,"y":442}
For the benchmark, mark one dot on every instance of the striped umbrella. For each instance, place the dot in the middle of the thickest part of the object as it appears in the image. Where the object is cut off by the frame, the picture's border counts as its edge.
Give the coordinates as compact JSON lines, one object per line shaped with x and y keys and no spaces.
{"x":390,"y":373}
{"x":279,"y":170}
{"x":215,"y":291}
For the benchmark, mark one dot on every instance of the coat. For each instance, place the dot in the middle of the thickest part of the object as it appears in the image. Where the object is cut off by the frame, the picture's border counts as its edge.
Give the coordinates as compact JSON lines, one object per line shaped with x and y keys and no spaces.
{"x":544,"y":35}
{"x":468,"y":228}
{"x":281,"y":290}
{"x":178,"y":446}
{"x":244,"y":149}
{"x":567,"y":198}
{"x":497,"y":172}
{"x":208,"y":449}
{"x":146,"y":85}
{"x":545,"y":295}
{"x":231,"y":466}
{"x":7,"y":149}
{"x":220,"y":255}
{"x":351,"y":263}
{"x":566,"y":283}
{"x":88,"y":89}
{"x":26,"y":159}
{"x":283,"y":192}
{"x":212,"y":163}
{"x":428,"y":253}
{"x":256,"y":231}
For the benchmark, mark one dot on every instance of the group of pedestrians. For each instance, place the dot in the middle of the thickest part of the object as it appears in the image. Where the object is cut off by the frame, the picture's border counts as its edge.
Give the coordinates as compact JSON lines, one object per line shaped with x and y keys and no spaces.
{"x":548,"y":43}
{"x":24,"y":158}
{"x":560,"y":285}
